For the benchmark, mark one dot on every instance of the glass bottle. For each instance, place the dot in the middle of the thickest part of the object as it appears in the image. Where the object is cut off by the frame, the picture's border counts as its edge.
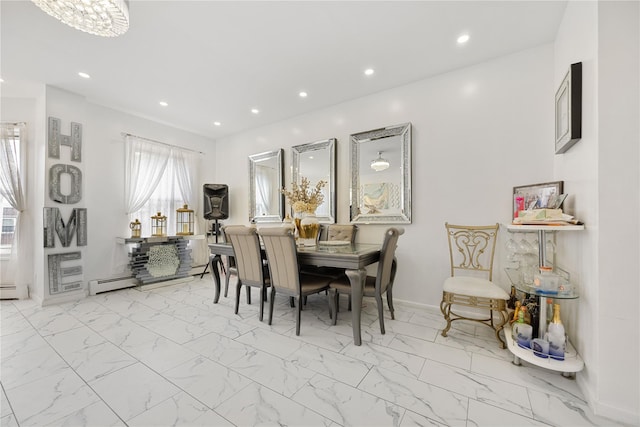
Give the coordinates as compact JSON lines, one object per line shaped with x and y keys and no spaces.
{"x":557,"y":339}
{"x":512,"y":299}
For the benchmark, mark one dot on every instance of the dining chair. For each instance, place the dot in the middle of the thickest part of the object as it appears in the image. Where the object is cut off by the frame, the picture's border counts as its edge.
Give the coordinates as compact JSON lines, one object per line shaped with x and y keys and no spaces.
{"x":374,"y":286}
{"x":339,"y":233}
{"x":286,"y":278}
{"x":231,"y":268}
{"x":251,"y":269}
{"x":471,"y":253}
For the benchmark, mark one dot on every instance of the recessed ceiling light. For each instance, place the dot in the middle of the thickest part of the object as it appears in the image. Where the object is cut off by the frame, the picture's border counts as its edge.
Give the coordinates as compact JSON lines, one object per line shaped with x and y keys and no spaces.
{"x":84,"y":75}
{"x":303,"y":94}
{"x":255,"y":110}
{"x":369,"y":72}
{"x":163,"y":103}
{"x":217,"y":123}
{"x":1,"y":80}
{"x":463,"y":39}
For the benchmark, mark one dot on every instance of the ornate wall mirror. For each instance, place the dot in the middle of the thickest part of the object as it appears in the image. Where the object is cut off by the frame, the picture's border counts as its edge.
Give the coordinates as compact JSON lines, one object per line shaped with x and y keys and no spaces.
{"x":266,"y":203}
{"x":381,"y":175}
{"x":316,"y":161}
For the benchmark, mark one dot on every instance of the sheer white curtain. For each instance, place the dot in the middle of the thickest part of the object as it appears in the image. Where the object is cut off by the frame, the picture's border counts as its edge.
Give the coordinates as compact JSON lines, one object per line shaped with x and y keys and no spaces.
{"x":12,"y":190}
{"x":145,"y":164}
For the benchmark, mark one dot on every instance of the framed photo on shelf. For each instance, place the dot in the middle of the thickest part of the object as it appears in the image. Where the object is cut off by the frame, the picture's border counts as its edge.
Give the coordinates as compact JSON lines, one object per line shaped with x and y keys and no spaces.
{"x":538,"y":196}
{"x":569,"y":109}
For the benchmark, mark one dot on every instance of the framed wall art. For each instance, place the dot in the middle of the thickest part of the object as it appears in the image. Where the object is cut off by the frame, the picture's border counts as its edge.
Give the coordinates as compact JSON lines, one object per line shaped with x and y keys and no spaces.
{"x":569,"y":109}
{"x":538,"y":196}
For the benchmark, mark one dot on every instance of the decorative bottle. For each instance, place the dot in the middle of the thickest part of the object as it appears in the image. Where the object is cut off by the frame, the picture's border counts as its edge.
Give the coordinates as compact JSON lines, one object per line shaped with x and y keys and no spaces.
{"x":557,"y":339}
{"x":512,"y":298}
{"x":516,"y":312}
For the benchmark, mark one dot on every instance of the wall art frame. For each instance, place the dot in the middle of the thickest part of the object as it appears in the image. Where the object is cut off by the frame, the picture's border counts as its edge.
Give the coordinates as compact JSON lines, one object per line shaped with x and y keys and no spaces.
{"x":539,"y":196}
{"x":568,"y":107}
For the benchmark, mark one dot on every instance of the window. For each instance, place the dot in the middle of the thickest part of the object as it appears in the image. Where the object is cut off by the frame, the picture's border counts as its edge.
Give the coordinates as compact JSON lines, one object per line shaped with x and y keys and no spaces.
{"x":159,"y":178}
{"x":11,"y":181}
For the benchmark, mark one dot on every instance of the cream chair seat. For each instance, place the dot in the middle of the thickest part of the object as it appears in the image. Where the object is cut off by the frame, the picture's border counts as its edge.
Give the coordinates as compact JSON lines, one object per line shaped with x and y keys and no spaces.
{"x":471,"y":253}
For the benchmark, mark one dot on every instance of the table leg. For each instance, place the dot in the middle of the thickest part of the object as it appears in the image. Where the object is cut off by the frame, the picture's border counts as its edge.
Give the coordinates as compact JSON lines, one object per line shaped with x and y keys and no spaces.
{"x":356,"y":279}
{"x":216,"y":260}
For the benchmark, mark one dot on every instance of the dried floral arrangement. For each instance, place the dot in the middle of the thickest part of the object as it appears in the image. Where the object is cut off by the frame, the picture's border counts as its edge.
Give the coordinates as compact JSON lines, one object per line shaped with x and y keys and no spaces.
{"x":303,"y":197}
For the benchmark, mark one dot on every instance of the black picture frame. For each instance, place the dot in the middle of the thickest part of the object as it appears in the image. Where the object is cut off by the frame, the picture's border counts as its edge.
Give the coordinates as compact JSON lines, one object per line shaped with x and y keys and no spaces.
{"x":568,"y":107}
{"x":538,"y":196}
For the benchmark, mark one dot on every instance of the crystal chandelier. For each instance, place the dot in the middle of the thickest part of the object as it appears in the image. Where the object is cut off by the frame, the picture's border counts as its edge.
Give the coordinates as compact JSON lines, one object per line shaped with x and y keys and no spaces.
{"x":107,"y":18}
{"x":379,"y":164}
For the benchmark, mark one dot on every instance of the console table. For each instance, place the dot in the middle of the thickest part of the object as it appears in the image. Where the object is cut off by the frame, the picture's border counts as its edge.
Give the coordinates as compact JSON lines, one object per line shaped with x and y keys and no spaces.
{"x":160,"y":259}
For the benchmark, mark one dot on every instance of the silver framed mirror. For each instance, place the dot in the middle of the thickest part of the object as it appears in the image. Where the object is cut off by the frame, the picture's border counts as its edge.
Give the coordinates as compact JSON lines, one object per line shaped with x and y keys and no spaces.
{"x":316,"y":161}
{"x":381,"y":175}
{"x":266,"y":174}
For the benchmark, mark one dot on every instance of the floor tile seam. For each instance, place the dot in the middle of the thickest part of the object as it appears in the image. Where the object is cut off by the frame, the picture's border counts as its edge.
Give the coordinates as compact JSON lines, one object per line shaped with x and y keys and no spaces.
{"x":456,"y":393}
{"x":488,"y":377}
{"x":553,"y":389}
{"x":308,"y":383}
{"x":4,"y":391}
{"x":377,"y":398}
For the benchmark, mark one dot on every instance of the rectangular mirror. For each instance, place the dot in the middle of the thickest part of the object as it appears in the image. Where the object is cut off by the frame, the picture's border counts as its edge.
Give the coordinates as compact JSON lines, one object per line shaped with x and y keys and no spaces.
{"x":381,"y":175}
{"x":316,"y":161}
{"x":266,"y":173}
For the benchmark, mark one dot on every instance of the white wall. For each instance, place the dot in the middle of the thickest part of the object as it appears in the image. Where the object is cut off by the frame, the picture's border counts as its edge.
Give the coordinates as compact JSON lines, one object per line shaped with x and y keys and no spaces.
{"x":602,"y":171}
{"x":477,"y":132}
{"x":103,"y":177}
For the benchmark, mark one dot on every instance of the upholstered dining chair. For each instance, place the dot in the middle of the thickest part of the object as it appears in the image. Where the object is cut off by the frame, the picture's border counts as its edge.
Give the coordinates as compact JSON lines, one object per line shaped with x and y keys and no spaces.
{"x":374,"y":286}
{"x":231,"y":268}
{"x":249,"y":262}
{"x":282,"y":258}
{"x":339,"y":233}
{"x":471,"y":253}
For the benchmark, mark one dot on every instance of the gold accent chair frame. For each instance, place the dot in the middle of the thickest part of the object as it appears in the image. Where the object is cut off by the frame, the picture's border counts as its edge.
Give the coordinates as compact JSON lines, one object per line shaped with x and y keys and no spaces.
{"x":471,"y":252}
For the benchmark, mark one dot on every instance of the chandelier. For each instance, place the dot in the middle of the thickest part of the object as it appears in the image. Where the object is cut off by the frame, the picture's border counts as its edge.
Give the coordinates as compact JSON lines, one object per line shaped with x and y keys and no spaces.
{"x":106,"y":18}
{"x":379,"y":164}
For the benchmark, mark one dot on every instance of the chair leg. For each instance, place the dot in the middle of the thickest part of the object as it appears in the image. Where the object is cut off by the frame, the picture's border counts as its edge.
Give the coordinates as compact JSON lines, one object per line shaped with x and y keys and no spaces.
{"x":390,"y":303}
{"x":445,"y":308}
{"x":248,"y":294}
{"x":226,"y":283}
{"x":292,"y":302}
{"x":298,"y":315}
{"x":333,"y":305}
{"x":263,"y":297}
{"x":273,"y":295}
{"x":349,"y":308}
{"x":380,"y":312}
{"x":238,"y":288}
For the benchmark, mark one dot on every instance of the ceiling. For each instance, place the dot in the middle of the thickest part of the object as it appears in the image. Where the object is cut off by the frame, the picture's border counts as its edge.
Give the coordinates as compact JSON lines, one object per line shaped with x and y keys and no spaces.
{"x":216,"y":60}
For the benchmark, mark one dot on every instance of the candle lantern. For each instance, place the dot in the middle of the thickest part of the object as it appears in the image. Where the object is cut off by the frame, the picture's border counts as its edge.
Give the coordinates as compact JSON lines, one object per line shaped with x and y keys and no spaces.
{"x":184,"y":221}
{"x":136,"y":229}
{"x":159,"y":225}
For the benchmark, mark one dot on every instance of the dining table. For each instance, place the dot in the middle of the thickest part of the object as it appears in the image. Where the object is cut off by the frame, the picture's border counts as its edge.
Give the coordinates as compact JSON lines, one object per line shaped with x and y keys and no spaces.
{"x":353,"y":257}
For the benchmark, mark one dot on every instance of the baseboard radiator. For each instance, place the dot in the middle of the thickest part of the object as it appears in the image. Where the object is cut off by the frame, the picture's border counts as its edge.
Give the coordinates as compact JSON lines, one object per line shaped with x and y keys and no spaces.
{"x":106,"y":285}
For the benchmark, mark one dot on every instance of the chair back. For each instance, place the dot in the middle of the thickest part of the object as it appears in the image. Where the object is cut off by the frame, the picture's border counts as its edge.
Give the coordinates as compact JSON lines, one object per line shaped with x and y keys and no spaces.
{"x":248,"y":258}
{"x":231,"y":261}
{"x":386,"y":265}
{"x":472,"y":248}
{"x":282,"y":257}
{"x":342,"y":232}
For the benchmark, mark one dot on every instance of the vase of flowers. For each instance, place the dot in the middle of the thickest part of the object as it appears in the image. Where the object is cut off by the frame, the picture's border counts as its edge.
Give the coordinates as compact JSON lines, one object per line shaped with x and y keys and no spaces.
{"x":304,"y":200}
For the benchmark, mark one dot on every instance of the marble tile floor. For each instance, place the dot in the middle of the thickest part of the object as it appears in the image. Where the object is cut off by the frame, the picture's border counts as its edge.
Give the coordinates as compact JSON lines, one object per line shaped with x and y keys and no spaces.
{"x":170,"y":357}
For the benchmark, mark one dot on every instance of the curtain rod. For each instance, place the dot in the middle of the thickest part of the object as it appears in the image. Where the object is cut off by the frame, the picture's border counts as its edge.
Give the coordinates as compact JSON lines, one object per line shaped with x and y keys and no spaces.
{"x":14,"y":123}
{"x":160,"y":142}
